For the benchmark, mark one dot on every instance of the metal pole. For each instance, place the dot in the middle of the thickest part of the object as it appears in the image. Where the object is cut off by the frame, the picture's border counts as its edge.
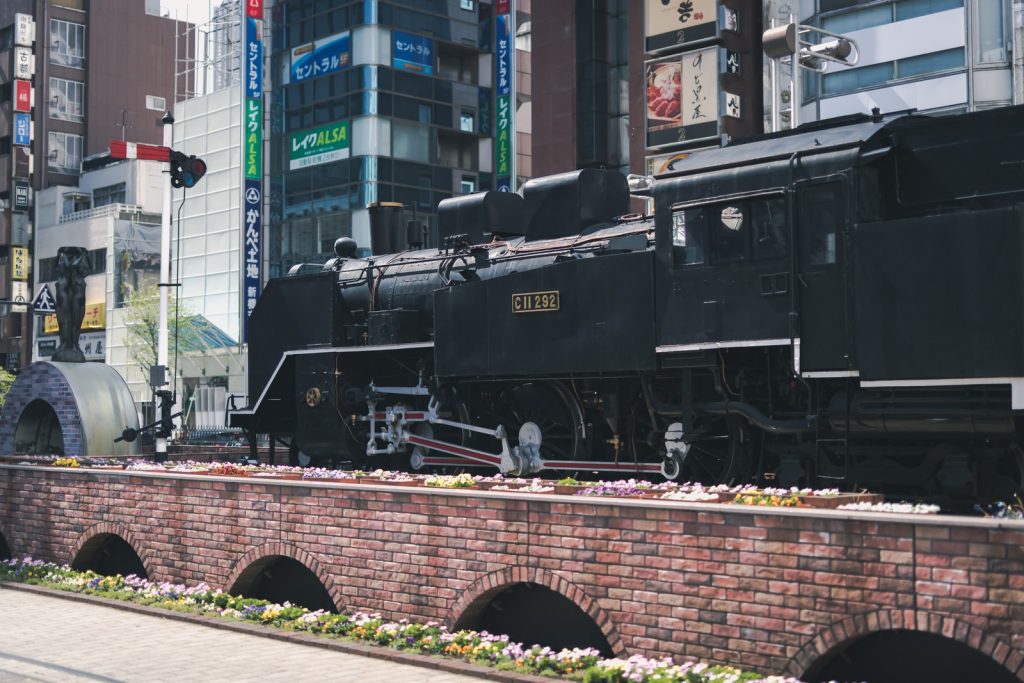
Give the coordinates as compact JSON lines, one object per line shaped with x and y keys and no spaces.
{"x":794,"y":88}
{"x":512,"y":96}
{"x":165,"y":276}
{"x":773,"y":77}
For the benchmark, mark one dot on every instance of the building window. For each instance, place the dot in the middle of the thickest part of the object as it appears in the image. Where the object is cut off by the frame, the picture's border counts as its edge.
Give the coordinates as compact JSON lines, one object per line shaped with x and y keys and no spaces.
{"x":410,"y":141}
{"x":908,"y":9}
{"x":111,"y":194}
{"x":865,"y":77}
{"x":467,"y":122}
{"x":857,"y":79}
{"x":467,"y":185}
{"x":847,"y":22}
{"x":67,"y":43}
{"x":877,"y":15}
{"x":73,"y":202}
{"x":467,"y":5}
{"x":991,"y":38}
{"x":67,"y":100}
{"x":64,"y":152}
{"x":155,"y":103}
{"x":930,"y":63}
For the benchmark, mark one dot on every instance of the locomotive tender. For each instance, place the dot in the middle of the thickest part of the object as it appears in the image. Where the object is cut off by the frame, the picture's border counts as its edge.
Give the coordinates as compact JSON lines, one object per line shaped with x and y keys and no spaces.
{"x":837,"y":304}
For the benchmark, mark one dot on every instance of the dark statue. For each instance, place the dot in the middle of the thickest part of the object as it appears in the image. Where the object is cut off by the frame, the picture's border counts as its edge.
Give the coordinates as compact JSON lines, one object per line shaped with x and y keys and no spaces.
{"x":73,"y":264}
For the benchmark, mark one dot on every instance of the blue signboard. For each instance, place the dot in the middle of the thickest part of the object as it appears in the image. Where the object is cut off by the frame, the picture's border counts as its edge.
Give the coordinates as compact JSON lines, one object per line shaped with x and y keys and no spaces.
{"x":322,"y":57}
{"x":253,"y":58}
{"x":253,"y":213}
{"x":22,"y":129}
{"x":503,"y":55}
{"x":412,"y":53}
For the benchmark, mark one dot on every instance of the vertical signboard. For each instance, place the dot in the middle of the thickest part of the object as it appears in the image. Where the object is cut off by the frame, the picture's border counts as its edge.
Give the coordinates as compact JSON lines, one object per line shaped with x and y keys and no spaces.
{"x":670,"y":24}
{"x":22,"y":195}
{"x":253,"y":126}
{"x":24,"y":30}
{"x":24,"y":63}
{"x":22,"y":129}
{"x":252,"y":167}
{"x":23,"y":96}
{"x":682,"y":98}
{"x":503,"y":115}
{"x":20,"y":263}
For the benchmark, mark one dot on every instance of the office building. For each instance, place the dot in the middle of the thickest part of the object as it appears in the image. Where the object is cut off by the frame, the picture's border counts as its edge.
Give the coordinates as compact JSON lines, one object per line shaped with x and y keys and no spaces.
{"x":73,"y":76}
{"x":634,"y":84}
{"x":935,"y":56}
{"x":378,"y":102}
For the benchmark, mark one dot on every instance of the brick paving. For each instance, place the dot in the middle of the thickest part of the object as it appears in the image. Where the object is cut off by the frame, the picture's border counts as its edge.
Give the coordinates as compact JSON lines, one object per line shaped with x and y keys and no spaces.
{"x":57,"y":640}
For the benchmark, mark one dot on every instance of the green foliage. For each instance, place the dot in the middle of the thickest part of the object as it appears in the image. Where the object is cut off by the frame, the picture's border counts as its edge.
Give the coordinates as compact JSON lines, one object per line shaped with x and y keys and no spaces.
{"x":6,"y":380}
{"x":142,"y":320}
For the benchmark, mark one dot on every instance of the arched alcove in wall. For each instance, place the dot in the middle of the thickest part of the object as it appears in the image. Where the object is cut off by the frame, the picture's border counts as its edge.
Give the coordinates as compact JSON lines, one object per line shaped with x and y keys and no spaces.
{"x":281,"y":579}
{"x":900,"y":655}
{"x":531,"y":613}
{"x":109,"y":554}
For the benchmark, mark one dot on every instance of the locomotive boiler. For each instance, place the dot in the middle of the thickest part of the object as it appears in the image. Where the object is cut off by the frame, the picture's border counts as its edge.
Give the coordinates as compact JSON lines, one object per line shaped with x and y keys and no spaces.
{"x":841,"y":303}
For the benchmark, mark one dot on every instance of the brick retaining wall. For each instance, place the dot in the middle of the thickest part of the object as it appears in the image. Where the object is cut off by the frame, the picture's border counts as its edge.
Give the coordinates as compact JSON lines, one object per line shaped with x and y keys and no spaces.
{"x":771,"y":589}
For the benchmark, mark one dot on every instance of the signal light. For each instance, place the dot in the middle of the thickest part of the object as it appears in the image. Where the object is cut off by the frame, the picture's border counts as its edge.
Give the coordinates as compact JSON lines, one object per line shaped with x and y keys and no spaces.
{"x":186,"y":171}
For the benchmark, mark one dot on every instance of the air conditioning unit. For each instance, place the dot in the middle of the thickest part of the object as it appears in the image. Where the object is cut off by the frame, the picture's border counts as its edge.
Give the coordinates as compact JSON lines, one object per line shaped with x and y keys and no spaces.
{"x":155,"y":103}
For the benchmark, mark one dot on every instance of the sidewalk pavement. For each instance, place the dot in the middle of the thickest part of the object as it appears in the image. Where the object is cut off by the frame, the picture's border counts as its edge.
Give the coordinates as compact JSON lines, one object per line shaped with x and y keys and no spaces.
{"x":52,"y":639}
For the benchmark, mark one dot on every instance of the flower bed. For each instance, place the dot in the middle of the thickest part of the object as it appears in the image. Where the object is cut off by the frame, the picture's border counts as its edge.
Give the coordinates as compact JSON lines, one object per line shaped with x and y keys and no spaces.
{"x":446,"y":481}
{"x":431,"y":638}
{"x":903,"y":508}
{"x":628,"y":488}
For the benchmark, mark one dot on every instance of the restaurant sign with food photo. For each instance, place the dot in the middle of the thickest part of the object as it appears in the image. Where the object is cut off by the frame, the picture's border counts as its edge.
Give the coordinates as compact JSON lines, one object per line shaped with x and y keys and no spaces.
{"x":682,"y":98}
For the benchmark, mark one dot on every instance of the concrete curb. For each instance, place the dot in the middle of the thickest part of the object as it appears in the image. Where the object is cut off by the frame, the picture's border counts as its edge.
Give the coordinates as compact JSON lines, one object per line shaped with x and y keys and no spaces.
{"x":376,"y":652}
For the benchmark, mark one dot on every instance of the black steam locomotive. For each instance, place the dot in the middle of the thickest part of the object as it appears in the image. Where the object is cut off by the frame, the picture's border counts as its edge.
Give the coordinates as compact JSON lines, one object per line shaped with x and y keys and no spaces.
{"x":837,"y":304}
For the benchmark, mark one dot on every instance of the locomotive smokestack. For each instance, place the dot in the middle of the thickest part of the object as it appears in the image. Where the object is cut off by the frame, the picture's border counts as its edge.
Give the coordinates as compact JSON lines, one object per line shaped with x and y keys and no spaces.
{"x":385,"y":227}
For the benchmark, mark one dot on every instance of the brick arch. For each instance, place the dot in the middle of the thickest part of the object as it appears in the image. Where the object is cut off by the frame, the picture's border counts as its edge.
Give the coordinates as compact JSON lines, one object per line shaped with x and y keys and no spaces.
{"x":116,"y":530}
{"x":301,"y":556}
{"x":43,"y":382}
{"x":477,"y":595}
{"x":858,"y":626}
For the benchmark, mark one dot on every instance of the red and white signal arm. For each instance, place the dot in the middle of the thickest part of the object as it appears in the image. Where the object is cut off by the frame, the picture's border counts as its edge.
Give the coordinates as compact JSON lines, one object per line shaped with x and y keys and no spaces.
{"x":119,"y":149}
{"x":24,"y":96}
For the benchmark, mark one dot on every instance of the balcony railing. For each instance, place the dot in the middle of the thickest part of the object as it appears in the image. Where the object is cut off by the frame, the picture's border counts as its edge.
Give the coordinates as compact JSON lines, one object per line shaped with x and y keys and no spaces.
{"x":100,"y":212}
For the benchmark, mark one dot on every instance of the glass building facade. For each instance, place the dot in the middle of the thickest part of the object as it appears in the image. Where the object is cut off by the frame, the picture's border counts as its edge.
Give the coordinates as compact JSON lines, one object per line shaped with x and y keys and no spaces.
{"x":373,"y":101}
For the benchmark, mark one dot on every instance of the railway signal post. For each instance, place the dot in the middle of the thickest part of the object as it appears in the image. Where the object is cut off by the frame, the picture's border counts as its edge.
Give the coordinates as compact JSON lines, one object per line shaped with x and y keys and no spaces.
{"x":183,"y":171}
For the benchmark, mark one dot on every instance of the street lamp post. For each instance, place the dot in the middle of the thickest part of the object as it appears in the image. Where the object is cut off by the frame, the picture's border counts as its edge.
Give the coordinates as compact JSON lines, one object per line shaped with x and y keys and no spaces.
{"x":792,"y":41}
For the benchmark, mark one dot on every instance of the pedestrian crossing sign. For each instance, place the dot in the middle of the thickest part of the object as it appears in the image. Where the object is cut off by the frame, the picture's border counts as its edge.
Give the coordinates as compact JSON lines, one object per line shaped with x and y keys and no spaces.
{"x":44,"y":302}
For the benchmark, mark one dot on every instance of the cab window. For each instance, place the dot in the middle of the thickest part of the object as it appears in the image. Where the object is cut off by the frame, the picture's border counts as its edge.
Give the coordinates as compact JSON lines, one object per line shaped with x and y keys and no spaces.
{"x":768,"y":219}
{"x":748,"y":229}
{"x":820,"y":219}
{"x":731,"y":232}
{"x":688,"y":229}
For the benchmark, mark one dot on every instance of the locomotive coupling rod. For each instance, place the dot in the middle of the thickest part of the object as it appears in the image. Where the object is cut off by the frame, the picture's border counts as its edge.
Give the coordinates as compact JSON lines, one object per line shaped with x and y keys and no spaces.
{"x":496,"y":433}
